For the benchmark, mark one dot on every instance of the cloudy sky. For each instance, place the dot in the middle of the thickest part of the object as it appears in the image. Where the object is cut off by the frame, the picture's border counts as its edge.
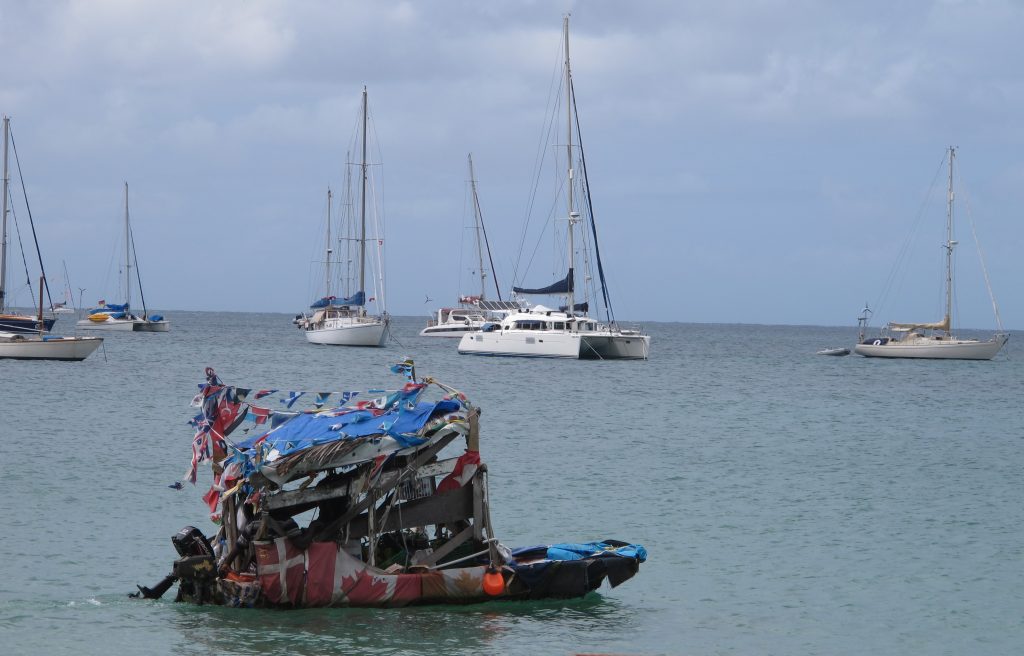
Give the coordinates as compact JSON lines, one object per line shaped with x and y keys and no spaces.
{"x":750,"y":161}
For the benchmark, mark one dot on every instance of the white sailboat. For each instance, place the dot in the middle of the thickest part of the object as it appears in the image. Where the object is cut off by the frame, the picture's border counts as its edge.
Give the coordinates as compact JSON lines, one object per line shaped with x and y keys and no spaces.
{"x":11,"y":322}
{"x":566,"y":332}
{"x":119,"y":316}
{"x":345,"y":321}
{"x":933,"y":340}
{"x":474,"y":311}
{"x":41,"y":346}
{"x":67,"y":306}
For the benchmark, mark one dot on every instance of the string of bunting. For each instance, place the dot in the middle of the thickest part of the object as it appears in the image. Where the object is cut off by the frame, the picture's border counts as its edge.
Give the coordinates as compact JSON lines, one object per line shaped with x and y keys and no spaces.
{"x":225,"y":408}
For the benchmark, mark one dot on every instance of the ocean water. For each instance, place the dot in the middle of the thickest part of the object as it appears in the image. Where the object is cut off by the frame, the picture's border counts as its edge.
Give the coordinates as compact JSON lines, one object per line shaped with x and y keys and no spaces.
{"x":790,"y":503}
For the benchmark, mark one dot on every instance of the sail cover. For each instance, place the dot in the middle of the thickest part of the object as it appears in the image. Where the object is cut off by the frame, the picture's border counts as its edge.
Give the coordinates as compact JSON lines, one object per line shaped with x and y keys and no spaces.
{"x":938,"y":325}
{"x":563,"y":286}
{"x":359,"y":298}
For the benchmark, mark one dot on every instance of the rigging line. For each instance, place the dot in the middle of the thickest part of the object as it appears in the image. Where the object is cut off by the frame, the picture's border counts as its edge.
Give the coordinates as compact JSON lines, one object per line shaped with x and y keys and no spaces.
{"x":487,"y":244}
{"x":31,"y":223}
{"x":981,"y":254}
{"x":138,"y":276}
{"x":21,"y":247}
{"x":554,"y":89}
{"x":609,"y":313}
{"x":898,"y":265}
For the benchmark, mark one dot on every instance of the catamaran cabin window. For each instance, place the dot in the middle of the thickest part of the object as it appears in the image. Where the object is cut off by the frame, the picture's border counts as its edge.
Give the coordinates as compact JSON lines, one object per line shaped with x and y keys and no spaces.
{"x":559,"y":325}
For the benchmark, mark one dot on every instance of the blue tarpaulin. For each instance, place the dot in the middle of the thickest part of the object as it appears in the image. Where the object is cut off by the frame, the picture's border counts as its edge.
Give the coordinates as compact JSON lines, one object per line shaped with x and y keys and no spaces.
{"x":309,"y":430}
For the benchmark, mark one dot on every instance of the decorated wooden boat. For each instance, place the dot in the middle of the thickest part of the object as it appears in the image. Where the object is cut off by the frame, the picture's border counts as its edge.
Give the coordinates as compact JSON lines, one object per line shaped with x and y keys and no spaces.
{"x":361,"y":504}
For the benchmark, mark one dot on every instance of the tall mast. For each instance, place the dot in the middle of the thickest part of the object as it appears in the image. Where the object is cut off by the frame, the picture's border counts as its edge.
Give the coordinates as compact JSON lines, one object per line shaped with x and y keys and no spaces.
{"x":3,"y":227}
{"x":949,"y":243}
{"x":568,"y":154}
{"x":362,"y":210}
{"x":127,"y":251}
{"x":327,"y":275}
{"x":479,"y":247}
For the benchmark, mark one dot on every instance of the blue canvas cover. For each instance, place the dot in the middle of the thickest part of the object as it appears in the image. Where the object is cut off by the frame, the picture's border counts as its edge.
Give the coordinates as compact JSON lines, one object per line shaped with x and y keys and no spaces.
{"x":359,"y":298}
{"x":312,"y":429}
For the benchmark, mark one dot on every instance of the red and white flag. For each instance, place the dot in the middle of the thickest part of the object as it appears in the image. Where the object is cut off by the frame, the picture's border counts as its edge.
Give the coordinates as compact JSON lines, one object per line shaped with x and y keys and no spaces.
{"x":282,"y":570}
{"x":465,"y":469}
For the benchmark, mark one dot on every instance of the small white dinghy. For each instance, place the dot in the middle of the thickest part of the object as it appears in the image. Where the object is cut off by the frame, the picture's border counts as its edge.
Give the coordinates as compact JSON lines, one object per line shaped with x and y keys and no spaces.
{"x":834,"y":351}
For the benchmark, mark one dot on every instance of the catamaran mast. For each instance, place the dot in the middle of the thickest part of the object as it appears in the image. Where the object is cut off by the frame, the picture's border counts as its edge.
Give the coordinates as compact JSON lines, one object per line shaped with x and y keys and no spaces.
{"x":3,"y":228}
{"x":127,"y":252}
{"x":568,"y":154}
{"x":362,"y":210}
{"x":949,"y":244}
{"x":327,"y":275}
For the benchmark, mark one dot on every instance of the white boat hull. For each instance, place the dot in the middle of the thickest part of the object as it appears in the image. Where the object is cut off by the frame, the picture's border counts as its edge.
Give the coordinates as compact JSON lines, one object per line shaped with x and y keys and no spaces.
{"x":21,"y":347}
{"x":556,"y":344}
{"x":348,"y":332}
{"x":125,"y":325}
{"x":945,"y":349}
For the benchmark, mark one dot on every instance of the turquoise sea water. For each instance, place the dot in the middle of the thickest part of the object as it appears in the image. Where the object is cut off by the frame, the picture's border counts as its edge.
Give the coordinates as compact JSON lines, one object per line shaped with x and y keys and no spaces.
{"x":790,"y":503}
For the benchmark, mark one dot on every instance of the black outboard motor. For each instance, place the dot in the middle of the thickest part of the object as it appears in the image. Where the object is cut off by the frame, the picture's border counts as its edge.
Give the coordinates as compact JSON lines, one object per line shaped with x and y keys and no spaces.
{"x":195,"y":570}
{"x":190,"y":541}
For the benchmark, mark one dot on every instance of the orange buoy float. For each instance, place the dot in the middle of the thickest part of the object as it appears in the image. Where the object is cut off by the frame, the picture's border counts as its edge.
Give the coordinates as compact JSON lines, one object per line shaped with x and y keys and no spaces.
{"x":494,"y":582}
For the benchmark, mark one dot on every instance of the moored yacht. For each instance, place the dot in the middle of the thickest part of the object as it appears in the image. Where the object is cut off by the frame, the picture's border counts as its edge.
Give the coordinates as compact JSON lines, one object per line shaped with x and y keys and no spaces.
{"x":566,"y":332}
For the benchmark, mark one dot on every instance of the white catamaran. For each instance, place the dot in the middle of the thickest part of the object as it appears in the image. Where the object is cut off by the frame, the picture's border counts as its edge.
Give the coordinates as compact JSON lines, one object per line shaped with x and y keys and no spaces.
{"x":474,"y":311}
{"x":119,"y":316}
{"x":934,"y":340}
{"x":345,"y":321}
{"x":566,"y":332}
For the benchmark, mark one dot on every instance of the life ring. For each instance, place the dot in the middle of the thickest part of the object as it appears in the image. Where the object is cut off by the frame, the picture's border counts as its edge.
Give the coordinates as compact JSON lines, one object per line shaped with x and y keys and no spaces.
{"x":877,"y":342}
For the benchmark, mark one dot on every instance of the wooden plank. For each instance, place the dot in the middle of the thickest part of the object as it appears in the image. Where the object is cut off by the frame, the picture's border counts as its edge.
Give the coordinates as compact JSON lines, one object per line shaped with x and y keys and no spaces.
{"x":447,"y":547}
{"x":295,"y":501}
{"x":444,"y":508}
{"x":389,"y":481}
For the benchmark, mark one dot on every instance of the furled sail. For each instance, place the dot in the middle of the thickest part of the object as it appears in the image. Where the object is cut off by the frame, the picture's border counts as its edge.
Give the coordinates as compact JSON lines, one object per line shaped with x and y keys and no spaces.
{"x":938,"y":325}
{"x":359,"y":298}
{"x":563,"y":286}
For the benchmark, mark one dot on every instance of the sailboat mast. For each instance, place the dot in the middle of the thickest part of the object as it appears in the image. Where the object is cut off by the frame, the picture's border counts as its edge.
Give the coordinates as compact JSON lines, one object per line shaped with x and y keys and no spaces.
{"x":3,"y":221}
{"x":568,"y":155}
{"x":127,"y":252}
{"x":362,"y":210}
{"x":476,"y":217}
{"x":327,"y":274}
{"x":949,"y":243}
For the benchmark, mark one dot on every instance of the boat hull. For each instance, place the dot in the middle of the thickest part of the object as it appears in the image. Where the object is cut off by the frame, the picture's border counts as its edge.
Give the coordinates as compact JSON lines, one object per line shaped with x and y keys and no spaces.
{"x":556,"y":344}
{"x":953,"y":349}
{"x":325,"y":575}
{"x":162,"y":326}
{"x":49,"y":348}
{"x":17,"y":323}
{"x":349,"y":333}
{"x":124,"y":325}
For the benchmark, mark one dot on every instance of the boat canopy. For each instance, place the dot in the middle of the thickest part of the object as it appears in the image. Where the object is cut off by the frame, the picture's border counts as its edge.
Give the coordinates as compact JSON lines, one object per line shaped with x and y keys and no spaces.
{"x":578,"y":307}
{"x":110,"y":307}
{"x":563,"y":286}
{"x":359,"y":298}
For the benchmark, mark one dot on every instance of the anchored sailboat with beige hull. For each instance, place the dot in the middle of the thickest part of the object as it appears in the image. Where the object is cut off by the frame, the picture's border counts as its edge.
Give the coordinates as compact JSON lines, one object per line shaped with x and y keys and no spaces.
{"x":935,"y":340}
